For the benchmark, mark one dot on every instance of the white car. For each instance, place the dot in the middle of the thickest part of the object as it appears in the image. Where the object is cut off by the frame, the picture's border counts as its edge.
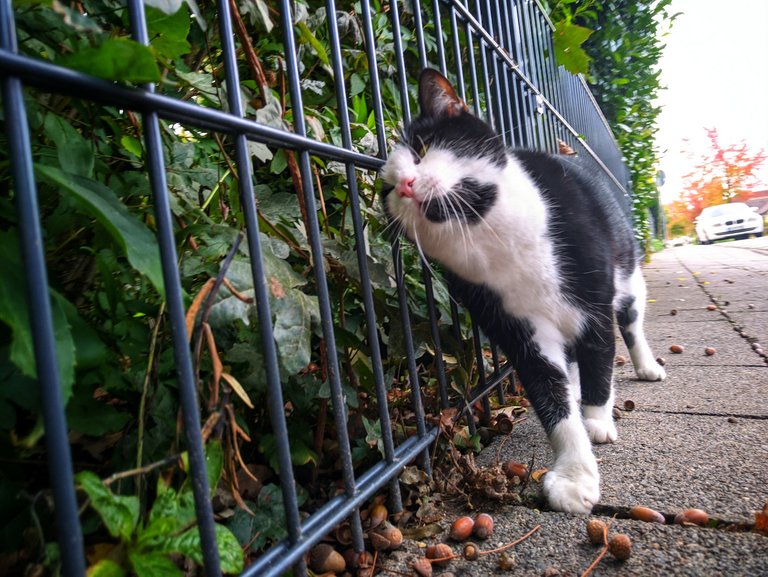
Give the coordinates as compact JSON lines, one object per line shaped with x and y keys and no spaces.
{"x":733,"y":220}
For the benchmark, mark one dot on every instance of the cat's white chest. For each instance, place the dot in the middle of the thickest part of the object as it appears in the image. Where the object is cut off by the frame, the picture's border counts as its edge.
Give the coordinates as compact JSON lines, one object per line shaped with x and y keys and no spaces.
{"x":510,"y":252}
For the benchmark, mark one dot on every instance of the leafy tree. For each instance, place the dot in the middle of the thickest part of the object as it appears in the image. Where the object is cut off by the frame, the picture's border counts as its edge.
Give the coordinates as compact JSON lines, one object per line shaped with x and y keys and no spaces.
{"x":725,"y":173}
{"x":621,"y":65}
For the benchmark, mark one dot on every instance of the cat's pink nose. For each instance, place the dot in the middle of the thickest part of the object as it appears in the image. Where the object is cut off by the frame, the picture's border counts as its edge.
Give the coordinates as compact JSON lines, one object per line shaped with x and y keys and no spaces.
{"x":405,"y":187}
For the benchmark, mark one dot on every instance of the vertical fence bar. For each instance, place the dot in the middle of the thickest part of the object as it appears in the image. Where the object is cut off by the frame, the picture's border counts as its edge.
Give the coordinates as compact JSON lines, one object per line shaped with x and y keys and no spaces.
{"x":362,"y":257}
{"x":276,"y":403}
{"x":473,"y":67}
{"x":373,"y":72}
{"x":190,"y":408}
{"x":457,"y":55}
{"x":323,"y":298}
{"x":397,"y":258}
{"x":59,"y":457}
{"x":418,"y":25}
{"x":438,"y":23}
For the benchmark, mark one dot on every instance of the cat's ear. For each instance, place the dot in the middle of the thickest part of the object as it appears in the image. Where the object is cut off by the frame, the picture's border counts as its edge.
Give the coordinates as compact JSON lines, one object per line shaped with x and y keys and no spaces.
{"x":437,"y":98}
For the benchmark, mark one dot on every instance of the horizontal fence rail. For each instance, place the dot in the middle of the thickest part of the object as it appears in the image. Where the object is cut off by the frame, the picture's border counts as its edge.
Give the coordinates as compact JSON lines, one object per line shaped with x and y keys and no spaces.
{"x":500,"y":55}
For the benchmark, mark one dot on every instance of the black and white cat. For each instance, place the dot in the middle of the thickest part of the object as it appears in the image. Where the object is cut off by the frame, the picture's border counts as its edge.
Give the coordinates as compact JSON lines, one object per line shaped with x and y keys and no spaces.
{"x":537,"y":249}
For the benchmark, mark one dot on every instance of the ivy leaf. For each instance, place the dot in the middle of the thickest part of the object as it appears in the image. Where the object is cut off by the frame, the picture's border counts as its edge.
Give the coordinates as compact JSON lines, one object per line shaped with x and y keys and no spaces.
{"x":188,"y":544}
{"x":168,"y":32}
{"x":74,"y":152}
{"x":295,"y":315}
{"x":14,"y":313}
{"x":166,"y":6}
{"x":153,"y":565}
{"x":119,"y":513}
{"x":105,"y":568}
{"x":136,"y":240}
{"x":118,"y":59}
{"x":568,"y":39}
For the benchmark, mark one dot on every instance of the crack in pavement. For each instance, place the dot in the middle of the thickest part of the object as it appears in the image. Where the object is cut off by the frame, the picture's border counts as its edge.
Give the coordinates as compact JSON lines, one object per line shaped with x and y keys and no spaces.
{"x":754,"y":345}
{"x":700,"y":414}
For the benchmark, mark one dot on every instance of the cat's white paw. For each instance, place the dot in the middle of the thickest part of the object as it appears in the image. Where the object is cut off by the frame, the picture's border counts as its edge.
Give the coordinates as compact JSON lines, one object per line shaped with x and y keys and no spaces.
{"x":651,"y":371}
{"x":572,"y":489}
{"x":601,"y":430}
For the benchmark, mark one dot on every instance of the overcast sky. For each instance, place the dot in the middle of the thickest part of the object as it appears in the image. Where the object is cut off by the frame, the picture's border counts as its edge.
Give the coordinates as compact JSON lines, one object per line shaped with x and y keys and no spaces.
{"x":715,"y":68}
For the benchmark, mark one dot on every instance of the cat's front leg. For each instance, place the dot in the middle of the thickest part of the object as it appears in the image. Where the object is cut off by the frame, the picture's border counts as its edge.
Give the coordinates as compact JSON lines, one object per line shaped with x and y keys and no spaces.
{"x":573,"y":482}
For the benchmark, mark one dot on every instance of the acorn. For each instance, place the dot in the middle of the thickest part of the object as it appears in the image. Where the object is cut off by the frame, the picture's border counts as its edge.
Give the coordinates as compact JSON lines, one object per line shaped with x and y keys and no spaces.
{"x":422,"y":567}
{"x":514,"y":469}
{"x":386,"y":537}
{"x":692,"y":517}
{"x":343,"y":534}
{"x":620,"y":546}
{"x":439,"y":551}
{"x":711,"y":307}
{"x":471,"y":552}
{"x":646,"y":514}
{"x":596,"y":530}
{"x":462,"y":528}
{"x":377,"y":516}
{"x":677,"y":349}
{"x":620,"y":360}
{"x":661,"y":361}
{"x":709,"y":351}
{"x":483,"y":526}
{"x":324,"y":559}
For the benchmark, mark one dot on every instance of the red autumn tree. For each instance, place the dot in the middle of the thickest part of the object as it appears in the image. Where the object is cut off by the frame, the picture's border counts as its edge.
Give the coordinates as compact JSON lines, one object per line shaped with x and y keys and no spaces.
{"x":723,"y":174}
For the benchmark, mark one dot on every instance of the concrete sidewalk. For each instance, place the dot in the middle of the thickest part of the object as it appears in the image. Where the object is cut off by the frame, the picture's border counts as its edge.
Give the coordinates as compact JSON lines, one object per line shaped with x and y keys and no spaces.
{"x":696,"y":440}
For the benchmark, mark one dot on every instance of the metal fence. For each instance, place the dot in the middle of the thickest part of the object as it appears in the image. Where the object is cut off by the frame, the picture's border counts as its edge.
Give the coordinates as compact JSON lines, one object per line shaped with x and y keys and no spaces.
{"x":501,"y":57}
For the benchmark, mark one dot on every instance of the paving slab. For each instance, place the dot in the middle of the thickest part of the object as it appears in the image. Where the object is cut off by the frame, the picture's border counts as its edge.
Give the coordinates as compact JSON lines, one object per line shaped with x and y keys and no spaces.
{"x":731,"y":349}
{"x":715,"y":390}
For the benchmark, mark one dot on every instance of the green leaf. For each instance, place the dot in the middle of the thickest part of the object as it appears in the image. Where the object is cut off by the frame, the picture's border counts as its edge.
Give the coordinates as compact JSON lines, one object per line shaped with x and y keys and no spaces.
{"x":131,"y":234}
{"x":132,"y":145}
{"x":14,"y":313}
{"x":188,"y":544}
{"x":166,"y":6}
{"x":119,"y":513}
{"x":168,"y":32}
{"x":294,"y":314}
{"x":214,"y":463}
{"x":568,"y":39}
{"x":118,"y":59}
{"x":308,"y":37}
{"x":153,"y":565}
{"x":74,"y":152}
{"x":105,"y":568}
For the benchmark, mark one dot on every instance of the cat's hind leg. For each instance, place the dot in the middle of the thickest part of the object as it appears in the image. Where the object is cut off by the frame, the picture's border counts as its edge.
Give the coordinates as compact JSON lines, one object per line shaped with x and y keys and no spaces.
{"x":630,"y":313}
{"x":595,"y":352}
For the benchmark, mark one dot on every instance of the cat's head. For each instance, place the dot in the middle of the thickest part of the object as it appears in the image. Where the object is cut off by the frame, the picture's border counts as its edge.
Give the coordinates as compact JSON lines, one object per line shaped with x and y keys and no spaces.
{"x":447,"y":165}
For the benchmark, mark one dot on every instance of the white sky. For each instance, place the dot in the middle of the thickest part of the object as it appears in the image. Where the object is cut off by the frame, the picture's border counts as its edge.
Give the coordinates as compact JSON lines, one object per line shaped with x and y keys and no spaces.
{"x":715,"y":68}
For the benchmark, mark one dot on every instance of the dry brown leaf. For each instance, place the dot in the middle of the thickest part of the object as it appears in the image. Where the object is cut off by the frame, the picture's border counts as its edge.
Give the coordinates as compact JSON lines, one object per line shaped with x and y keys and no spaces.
{"x":195,"y":306}
{"x":238,"y":388}
{"x":538,"y":474}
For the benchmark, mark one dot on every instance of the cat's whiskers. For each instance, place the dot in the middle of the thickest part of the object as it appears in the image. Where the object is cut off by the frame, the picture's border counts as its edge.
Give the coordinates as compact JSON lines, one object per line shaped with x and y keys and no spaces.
{"x":457,"y":195}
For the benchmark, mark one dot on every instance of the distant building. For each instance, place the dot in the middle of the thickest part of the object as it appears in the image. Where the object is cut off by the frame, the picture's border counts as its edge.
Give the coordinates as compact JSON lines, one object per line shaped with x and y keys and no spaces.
{"x":759,"y":200}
